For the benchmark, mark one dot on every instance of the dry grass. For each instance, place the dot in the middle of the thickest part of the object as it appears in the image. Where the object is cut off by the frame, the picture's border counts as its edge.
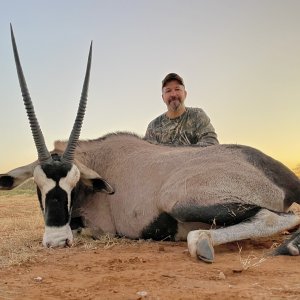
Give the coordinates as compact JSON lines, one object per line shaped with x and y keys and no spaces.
{"x":27,"y":188}
{"x":22,"y":227}
{"x":106,"y":241}
{"x":251,"y":261}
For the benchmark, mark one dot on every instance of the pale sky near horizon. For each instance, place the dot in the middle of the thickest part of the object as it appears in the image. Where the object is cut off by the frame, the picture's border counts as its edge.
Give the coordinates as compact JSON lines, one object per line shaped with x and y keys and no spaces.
{"x":240,"y":61}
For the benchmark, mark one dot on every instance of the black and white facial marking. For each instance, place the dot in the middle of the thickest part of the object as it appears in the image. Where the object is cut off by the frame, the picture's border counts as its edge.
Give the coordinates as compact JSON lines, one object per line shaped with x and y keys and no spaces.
{"x":55,"y":176}
{"x":55,"y":182}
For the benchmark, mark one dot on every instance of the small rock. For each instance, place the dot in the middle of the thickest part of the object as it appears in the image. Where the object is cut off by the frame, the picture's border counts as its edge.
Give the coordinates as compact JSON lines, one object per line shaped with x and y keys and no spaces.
{"x":222,"y":276}
{"x":240,"y":270}
{"x":142,"y":294}
{"x":38,"y":279}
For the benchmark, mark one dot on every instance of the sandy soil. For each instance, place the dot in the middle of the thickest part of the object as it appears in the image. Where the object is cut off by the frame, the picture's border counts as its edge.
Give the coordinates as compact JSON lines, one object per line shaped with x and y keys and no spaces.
{"x":148,"y":270}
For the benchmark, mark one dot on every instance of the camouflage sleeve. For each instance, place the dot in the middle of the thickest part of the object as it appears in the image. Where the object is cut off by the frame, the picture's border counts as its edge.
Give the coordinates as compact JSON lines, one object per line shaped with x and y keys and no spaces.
{"x":208,"y":139}
{"x":205,"y":132}
{"x":150,"y":134}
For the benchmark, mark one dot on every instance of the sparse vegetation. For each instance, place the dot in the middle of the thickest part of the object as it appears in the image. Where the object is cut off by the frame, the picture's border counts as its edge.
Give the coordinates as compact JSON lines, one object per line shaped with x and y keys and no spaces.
{"x":22,"y":227}
{"x":28,"y":270}
{"x":250,"y":261}
{"x":27,"y":188}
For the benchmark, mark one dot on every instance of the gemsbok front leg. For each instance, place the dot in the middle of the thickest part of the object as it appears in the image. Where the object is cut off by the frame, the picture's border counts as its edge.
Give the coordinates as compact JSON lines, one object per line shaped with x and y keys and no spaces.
{"x":265,"y":223}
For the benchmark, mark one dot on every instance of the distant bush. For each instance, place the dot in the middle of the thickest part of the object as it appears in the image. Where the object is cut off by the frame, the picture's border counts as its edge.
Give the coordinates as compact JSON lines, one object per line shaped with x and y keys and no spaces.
{"x":297,"y":170}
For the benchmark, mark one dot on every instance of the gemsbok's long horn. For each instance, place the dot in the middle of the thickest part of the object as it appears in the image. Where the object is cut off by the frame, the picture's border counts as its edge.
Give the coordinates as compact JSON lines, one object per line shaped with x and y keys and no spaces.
{"x":43,"y":153}
{"x":74,"y":136}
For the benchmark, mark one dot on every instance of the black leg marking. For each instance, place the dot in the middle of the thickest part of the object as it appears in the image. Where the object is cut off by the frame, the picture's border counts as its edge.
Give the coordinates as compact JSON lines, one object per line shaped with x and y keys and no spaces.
{"x":164,"y":227}
{"x":76,"y":223}
{"x":219,"y":214}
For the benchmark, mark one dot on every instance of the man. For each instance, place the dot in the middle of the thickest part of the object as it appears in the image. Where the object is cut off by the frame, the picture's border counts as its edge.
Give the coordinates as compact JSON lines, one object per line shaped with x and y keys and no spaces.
{"x":180,"y":125}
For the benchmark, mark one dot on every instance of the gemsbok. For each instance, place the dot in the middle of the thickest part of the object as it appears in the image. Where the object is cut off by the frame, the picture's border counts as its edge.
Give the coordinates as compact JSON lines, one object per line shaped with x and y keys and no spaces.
{"x":123,"y":185}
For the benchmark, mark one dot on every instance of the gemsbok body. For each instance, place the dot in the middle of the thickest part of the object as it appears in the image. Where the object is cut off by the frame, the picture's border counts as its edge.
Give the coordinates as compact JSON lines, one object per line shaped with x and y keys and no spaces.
{"x":123,"y":185}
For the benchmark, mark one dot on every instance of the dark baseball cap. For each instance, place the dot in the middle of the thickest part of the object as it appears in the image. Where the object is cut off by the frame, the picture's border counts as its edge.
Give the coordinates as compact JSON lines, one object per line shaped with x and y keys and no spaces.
{"x":170,"y":77}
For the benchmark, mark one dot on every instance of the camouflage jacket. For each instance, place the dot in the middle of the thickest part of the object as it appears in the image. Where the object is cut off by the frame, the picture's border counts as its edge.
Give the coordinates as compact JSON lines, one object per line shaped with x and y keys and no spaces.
{"x":192,"y":128}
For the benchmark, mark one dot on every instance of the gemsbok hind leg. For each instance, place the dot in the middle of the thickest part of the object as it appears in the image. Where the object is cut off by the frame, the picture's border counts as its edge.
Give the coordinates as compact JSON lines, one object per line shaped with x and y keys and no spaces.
{"x":290,"y":247}
{"x":264,"y":223}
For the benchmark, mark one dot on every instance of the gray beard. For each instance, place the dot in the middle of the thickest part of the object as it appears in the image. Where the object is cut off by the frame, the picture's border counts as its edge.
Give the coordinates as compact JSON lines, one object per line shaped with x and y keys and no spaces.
{"x":174,"y":105}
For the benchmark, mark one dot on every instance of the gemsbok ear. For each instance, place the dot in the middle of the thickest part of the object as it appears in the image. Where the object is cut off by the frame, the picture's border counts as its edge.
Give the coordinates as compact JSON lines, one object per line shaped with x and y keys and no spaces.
{"x":16,"y":176}
{"x":93,"y":180}
{"x":101,"y":185}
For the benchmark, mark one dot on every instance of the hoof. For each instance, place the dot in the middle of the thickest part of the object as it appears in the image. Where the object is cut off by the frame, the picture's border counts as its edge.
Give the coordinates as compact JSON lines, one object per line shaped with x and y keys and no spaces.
{"x":289,"y":247}
{"x":204,"y":248}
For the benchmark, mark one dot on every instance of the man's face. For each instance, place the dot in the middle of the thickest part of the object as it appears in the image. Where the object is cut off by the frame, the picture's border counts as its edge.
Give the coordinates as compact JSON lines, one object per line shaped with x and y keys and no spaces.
{"x":174,"y":94}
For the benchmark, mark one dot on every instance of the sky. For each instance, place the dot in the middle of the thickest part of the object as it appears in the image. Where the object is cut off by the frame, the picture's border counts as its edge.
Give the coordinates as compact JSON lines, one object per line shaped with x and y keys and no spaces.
{"x":240,"y":61}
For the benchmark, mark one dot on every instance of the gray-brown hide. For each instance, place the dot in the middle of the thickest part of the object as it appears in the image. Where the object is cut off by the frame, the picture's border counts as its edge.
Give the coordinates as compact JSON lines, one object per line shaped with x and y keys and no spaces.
{"x":160,"y":191}
{"x":153,"y":179}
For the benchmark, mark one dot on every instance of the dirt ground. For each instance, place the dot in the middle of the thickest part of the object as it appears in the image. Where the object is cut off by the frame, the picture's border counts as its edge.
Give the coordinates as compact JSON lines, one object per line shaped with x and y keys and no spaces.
{"x":134,"y":270}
